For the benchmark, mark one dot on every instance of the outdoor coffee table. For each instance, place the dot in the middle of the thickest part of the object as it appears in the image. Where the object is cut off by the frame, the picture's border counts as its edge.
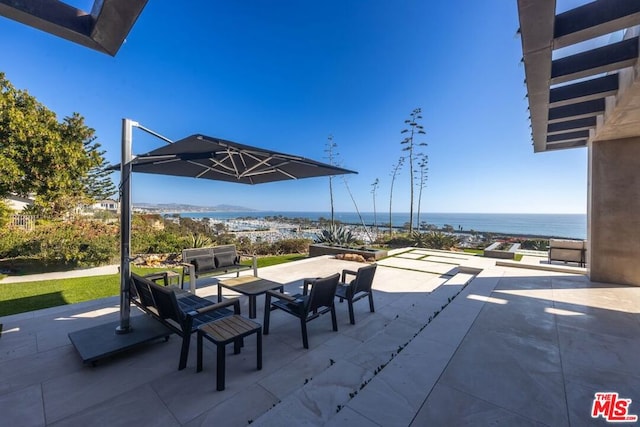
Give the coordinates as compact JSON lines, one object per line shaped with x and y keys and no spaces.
{"x":251,"y":286}
{"x":224,"y":331}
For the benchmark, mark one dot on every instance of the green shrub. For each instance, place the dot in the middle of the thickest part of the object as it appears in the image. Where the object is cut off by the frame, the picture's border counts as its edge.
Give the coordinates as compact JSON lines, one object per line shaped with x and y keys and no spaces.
{"x":74,"y":243}
{"x":157,"y":242}
{"x":398,"y":241}
{"x":535,"y":244}
{"x":80,"y":242}
{"x":5,"y":214}
{"x":13,"y":242}
{"x":291,"y":246}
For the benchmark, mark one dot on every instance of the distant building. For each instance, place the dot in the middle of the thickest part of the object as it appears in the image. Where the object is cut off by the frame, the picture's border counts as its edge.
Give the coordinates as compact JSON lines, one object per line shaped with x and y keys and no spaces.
{"x":18,"y":203}
{"x":107,"y":205}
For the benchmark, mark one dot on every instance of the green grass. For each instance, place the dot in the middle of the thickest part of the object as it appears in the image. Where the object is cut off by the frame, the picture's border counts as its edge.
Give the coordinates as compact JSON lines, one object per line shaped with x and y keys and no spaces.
{"x":27,"y":296}
{"x":516,"y":257}
{"x":278,"y":259}
{"x":474,"y":251}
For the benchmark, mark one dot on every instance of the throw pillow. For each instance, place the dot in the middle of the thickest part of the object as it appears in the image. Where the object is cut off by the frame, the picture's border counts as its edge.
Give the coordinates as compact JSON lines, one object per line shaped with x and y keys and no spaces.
{"x":225,"y":260}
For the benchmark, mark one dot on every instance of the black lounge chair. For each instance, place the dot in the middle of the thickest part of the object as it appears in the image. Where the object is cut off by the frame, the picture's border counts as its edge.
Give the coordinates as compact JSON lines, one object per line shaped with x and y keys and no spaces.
{"x":308,"y":306}
{"x":180,"y":311}
{"x":358,"y":288}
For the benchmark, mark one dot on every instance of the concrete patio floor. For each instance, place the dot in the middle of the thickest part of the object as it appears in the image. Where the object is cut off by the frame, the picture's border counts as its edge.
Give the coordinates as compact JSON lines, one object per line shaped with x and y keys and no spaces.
{"x":455,"y":340}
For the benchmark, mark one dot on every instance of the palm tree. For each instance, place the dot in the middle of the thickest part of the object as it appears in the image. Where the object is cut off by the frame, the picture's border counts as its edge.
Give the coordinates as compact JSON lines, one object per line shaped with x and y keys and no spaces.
{"x":414,"y":129}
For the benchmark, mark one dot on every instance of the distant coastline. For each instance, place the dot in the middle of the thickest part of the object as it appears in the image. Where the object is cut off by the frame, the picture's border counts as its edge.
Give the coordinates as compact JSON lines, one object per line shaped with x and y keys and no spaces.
{"x":573,"y":226}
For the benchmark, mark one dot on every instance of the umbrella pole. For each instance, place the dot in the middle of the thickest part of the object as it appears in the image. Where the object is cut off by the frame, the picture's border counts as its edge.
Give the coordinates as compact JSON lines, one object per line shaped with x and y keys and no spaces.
{"x":125,"y":226}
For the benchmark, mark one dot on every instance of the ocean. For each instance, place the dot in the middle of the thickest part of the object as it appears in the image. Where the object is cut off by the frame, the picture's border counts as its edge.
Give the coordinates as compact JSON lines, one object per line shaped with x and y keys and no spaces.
{"x":572,"y":226}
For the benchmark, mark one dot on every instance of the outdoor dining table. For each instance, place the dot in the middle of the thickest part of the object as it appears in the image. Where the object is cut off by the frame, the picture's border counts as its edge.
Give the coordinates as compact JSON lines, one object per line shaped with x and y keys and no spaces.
{"x":251,"y":286}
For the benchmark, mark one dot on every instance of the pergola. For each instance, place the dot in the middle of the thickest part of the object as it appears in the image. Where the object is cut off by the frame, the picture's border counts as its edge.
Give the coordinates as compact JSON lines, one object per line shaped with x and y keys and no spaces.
{"x":583,"y":86}
{"x":104,"y":28}
{"x":591,"y":93}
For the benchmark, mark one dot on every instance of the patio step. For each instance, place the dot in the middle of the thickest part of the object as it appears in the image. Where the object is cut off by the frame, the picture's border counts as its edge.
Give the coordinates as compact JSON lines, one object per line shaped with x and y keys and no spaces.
{"x":328,"y":395}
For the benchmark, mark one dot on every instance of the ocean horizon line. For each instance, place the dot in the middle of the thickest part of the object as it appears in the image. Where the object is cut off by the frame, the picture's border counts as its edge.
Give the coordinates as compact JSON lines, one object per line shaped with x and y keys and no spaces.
{"x":379,"y":213}
{"x":552,"y":225}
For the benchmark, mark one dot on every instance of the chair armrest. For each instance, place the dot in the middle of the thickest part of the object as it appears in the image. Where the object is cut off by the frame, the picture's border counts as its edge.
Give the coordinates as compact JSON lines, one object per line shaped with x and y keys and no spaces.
{"x":344,"y":274}
{"x":254,"y":262}
{"x":235,"y":302}
{"x":280,"y":295}
{"x":157,"y":276}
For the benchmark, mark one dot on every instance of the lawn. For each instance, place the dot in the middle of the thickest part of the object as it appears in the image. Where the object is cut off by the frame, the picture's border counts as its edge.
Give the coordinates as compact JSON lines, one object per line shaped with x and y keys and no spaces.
{"x":27,"y":296}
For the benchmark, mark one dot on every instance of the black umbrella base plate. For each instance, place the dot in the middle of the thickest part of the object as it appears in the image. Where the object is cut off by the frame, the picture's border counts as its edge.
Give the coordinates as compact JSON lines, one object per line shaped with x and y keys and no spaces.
{"x":102,"y":341}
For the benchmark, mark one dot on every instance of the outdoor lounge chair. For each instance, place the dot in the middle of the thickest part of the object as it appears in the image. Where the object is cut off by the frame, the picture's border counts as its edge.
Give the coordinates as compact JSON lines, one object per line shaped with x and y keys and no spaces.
{"x":308,"y":306}
{"x":358,"y":288}
{"x":180,"y":311}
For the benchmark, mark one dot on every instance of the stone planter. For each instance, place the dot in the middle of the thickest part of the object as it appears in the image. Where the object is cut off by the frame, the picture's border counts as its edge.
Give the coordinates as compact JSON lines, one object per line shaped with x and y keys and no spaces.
{"x":492,"y":252}
{"x":319,"y":249}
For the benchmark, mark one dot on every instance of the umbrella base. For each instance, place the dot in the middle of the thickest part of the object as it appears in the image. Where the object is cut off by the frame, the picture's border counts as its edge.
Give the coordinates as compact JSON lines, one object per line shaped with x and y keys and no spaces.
{"x":102,"y":341}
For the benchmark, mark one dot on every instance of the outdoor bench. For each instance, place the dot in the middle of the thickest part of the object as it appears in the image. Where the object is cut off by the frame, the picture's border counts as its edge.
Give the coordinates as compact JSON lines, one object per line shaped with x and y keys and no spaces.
{"x":180,"y":311}
{"x":212,"y":261}
{"x":568,"y":251}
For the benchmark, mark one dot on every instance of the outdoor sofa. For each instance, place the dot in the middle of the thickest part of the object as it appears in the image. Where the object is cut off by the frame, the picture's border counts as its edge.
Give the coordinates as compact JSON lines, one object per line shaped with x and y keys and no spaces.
{"x":212,"y":261}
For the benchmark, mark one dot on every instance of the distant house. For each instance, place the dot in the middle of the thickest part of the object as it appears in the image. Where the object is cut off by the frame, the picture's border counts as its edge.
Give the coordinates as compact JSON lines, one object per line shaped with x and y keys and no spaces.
{"x":106,"y":205}
{"x":18,"y":203}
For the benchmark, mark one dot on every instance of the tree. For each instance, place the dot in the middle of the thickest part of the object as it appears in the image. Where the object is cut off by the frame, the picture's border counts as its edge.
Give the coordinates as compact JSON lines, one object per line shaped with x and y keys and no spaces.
{"x":423,"y":162}
{"x":331,"y":157}
{"x":413,"y":130}
{"x":5,"y":214}
{"x":366,"y":230}
{"x":98,"y":184}
{"x":394,"y":174}
{"x":333,"y":160}
{"x":374,"y":187}
{"x":41,"y":156}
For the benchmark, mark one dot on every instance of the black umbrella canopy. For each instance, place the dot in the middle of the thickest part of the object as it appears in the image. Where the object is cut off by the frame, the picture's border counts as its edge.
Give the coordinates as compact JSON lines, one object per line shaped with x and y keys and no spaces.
{"x":199,"y":156}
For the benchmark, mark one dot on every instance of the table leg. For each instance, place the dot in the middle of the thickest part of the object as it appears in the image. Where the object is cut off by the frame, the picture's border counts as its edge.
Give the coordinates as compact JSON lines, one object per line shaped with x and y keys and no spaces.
{"x":219,"y":292}
{"x":199,"y":352}
{"x":220,"y":368}
{"x":259,"y":349}
{"x":252,"y":306}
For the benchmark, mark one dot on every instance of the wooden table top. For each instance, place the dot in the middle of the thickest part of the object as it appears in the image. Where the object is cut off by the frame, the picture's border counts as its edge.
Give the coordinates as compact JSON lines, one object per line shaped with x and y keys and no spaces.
{"x":249,"y":285}
{"x":229,"y":327}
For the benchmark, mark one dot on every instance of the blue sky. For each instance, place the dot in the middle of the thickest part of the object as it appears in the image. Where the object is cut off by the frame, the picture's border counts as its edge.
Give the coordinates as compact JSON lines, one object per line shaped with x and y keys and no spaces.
{"x":286,"y":74}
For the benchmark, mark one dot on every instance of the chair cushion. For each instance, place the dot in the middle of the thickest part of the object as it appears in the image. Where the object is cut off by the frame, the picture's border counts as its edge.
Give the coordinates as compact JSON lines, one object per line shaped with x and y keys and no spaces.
{"x":225,"y":260}
{"x":202,"y":263}
{"x":295,"y":308}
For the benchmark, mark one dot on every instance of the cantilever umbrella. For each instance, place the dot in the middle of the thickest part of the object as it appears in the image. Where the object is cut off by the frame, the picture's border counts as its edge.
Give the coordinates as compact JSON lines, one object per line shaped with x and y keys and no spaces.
{"x":199,"y":156}
{"x":203,"y":157}
{"x":196,"y":156}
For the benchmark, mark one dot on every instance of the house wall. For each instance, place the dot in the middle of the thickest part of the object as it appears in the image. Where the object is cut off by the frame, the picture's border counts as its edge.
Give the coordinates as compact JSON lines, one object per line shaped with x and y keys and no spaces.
{"x":17,"y":203}
{"x":614,"y":214}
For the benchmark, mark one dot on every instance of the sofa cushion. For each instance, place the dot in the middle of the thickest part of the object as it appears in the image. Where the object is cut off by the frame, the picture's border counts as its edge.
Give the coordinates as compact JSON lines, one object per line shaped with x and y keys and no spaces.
{"x":225,"y":260}
{"x":202,"y":263}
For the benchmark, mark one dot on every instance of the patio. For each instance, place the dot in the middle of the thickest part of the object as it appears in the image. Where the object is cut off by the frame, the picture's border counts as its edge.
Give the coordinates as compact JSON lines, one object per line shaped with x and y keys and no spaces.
{"x":517,"y":346}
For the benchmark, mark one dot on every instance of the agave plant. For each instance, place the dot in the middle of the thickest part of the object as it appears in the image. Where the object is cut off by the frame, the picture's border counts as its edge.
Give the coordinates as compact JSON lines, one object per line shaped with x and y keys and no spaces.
{"x":199,"y":240}
{"x":337,"y":236}
{"x":434,"y":240}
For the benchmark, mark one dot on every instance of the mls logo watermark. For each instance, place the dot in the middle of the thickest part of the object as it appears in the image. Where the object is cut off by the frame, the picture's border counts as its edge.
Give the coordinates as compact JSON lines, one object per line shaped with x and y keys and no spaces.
{"x":612,"y":408}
